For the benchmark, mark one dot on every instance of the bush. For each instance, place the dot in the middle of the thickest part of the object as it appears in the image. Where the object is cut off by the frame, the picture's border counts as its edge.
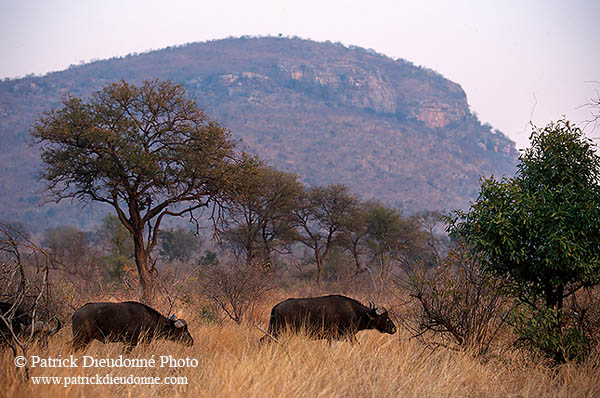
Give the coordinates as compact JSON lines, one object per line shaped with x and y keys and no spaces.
{"x":556,"y":334}
{"x":563,"y":335}
{"x":235,"y":289}
{"x":455,"y":303}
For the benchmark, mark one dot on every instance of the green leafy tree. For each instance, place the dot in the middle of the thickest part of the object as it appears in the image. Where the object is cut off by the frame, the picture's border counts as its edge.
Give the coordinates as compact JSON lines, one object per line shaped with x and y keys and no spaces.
{"x":179,"y":244}
{"x":208,"y":259}
{"x":117,"y":246}
{"x":114,"y":237}
{"x":541,"y":228}
{"x":147,"y":151}
{"x":390,"y":240}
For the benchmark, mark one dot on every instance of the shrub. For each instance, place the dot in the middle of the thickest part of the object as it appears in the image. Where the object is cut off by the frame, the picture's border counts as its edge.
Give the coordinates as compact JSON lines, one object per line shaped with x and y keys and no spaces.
{"x":563,"y":335}
{"x":236,"y":288}
{"x":554,"y":333}
{"x":455,"y":303}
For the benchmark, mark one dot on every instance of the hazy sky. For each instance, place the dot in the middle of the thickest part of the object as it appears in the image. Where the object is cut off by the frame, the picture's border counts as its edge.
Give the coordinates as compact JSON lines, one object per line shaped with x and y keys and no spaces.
{"x":516,"y":60}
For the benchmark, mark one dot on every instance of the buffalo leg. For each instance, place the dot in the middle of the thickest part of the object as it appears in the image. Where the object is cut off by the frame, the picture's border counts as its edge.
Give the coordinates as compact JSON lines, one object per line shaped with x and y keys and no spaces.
{"x":80,"y":344}
{"x":272,"y":332}
{"x":130,"y":345}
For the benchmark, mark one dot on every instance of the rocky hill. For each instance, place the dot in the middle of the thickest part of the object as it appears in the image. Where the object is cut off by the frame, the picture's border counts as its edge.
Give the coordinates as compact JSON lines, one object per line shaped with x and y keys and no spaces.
{"x":333,"y":114}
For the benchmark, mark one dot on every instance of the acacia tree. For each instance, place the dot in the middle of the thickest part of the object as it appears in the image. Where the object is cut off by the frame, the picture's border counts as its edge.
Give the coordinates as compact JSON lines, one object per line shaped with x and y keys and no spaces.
{"x":147,"y":151}
{"x":258,"y":220}
{"x":353,"y":233}
{"x":319,"y":216}
{"x":390,"y":241}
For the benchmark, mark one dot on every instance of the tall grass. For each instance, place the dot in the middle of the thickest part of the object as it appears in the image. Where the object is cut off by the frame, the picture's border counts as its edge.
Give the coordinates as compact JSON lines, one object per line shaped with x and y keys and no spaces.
{"x":231,"y":363}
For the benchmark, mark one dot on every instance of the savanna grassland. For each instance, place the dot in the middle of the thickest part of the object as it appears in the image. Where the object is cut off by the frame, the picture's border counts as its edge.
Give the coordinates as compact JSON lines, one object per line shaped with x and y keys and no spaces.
{"x":231,"y":363}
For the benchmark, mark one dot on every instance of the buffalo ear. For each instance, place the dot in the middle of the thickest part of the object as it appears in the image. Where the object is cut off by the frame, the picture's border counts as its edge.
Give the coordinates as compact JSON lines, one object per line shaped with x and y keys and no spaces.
{"x":380,"y":311}
{"x":179,"y":323}
{"x":172,"y":318}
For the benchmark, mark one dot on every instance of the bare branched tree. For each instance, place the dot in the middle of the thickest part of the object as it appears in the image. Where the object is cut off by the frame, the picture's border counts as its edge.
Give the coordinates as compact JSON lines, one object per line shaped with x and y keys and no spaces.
{"x":236,"y":289}
{"x":24,"y":291}
{"x":594,"y":106}
{"x":454,"y":304}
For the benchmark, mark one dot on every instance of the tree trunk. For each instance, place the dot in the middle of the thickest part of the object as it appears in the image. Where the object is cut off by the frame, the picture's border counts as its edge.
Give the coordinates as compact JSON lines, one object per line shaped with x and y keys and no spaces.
{"x":319,"y":262}
{"x":355,"y":254}
{"x":554,"y":297}
{"x":554,"y":301}
{"x":141,"y":261}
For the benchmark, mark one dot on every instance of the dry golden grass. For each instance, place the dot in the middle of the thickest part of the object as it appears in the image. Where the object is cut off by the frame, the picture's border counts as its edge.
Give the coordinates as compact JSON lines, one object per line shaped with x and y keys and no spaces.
{"x":231,"y":363}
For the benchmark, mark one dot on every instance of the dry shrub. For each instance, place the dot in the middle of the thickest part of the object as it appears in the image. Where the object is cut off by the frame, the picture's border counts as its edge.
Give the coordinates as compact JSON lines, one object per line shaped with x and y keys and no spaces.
{"x":585,"y":306}
{"x":236,"y":288}
{"x":174,"y":290}
{"x":455,"y":303}
{"x":24,"y":269}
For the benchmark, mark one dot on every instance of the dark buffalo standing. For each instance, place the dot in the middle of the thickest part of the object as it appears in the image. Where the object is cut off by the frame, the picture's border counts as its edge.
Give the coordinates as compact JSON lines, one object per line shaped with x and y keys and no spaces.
{"x":22,"y":325}
{"x":332,"y":317}
{"x":129,"y":322}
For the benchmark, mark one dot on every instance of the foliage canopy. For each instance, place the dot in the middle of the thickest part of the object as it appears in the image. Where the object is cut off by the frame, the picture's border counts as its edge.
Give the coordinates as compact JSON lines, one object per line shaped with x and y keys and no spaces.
{"x":542,"y":227}
{"x":147,"y":151}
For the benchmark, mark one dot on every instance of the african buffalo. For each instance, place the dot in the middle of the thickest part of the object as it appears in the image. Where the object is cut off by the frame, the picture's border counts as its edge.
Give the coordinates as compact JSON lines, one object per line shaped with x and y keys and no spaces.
{"x":328,"y":317}
{"x":22,"y":325}
{"x":128,"y":322}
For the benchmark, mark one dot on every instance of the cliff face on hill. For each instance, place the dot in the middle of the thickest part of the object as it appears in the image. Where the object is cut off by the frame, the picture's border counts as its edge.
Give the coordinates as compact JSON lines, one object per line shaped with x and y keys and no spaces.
{"x":332,"y":114}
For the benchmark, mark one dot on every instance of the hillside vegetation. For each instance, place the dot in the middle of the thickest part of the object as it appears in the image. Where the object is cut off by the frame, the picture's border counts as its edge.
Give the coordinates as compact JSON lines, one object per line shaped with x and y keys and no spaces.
{"x":333,"y":114}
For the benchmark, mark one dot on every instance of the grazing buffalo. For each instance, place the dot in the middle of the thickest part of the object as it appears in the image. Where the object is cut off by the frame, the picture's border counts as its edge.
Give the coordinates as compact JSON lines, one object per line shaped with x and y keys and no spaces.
{"x":330,"y":317}
{"x":22,"y":325}
{"x":129,"y":322}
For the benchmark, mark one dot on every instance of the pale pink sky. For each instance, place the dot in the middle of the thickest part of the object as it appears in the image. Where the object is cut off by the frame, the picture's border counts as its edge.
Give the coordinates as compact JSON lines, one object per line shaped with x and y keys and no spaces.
{"x":516,"y":60}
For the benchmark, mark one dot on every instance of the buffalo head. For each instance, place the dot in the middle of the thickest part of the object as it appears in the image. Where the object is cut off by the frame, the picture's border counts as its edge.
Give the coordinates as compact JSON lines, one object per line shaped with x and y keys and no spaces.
{"x":42,"y":330}
{"x":380,"y":319}
{"x":179,"y":332}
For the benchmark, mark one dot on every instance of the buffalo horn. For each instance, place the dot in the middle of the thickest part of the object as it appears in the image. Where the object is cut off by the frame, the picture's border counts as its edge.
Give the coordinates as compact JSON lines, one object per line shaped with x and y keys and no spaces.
{"x":172,"y":318}
{"x":57,"y":328}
